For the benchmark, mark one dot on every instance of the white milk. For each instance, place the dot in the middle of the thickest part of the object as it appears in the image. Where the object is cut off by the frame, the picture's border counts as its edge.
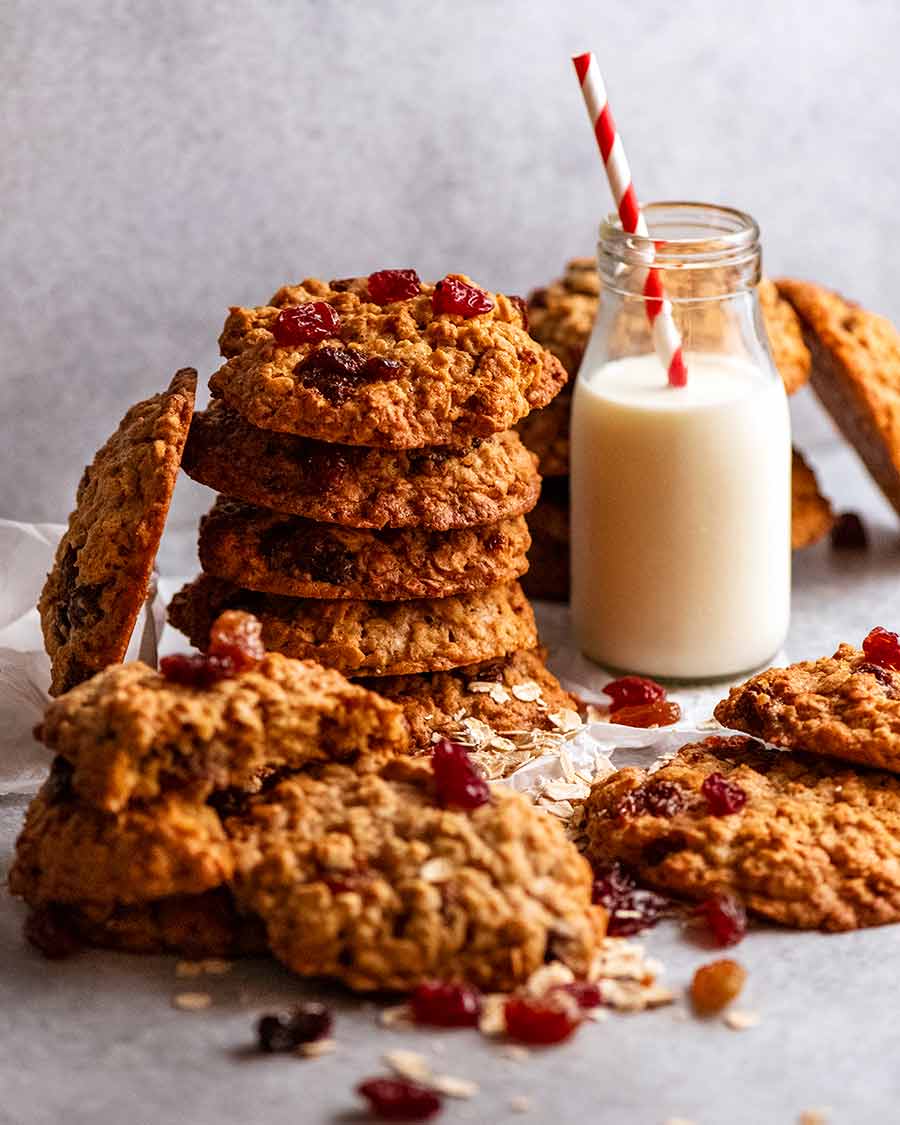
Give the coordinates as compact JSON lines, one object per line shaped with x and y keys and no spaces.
{"x":680,"y":517}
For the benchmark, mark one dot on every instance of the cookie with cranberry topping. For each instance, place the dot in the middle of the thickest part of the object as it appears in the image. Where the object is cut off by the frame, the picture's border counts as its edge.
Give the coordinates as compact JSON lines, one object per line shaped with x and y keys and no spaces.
{"x":811,"y":515}
{"x":810,"y":844}
{"x":365,"y":638}
{"x":842,"y":706}
{"x":437,"y":488}
{"x":430,"y":369}
{"x":513,"y":695}
{"x":856,"y":375}
{"x":70,"y":852}
{"x":281,"y":554}
{"x":370,"y":880}
{"x":95,"y":591}
{"x":130,"y":733}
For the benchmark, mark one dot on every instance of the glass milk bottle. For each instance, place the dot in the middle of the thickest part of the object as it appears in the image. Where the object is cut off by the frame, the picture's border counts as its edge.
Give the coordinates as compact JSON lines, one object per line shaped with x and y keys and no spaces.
{"x":681,"y":495}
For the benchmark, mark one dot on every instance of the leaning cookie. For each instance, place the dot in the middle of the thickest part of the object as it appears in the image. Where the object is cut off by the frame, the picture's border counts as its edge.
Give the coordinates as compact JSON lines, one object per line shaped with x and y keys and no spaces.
{"x":281,"y":554}
{"x":856,"y":374}
{"x":813,"y":845}
{"x":370,"y":880}
{"x":812,"y":517}
{"x":338,"y":362}
{"x":95,"y":591}
{"x":365,"y":638}
{"x":129,"y":733}
{"x":436,"y":488}
{"x":842,"y":706}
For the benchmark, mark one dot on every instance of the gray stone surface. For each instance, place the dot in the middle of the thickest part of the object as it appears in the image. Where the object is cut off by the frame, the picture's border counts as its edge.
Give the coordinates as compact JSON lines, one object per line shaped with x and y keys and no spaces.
{"x":162,"y":161}
{"x":96,"y":1041}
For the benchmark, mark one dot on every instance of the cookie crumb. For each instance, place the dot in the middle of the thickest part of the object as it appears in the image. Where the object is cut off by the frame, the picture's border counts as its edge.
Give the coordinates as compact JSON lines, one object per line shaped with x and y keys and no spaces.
{"x":192,"y":1001}
{"x":452,"y":1086}
{"x":212,"y":966}
{"x":316,"y":1048}
{"x":397,"y":1017}
{"x":514,"y":1052}
{"x":742,"y":1021}
{"x":409,"y":1065}
{"x":521,"y":1104}
{"x":814,"y":1117}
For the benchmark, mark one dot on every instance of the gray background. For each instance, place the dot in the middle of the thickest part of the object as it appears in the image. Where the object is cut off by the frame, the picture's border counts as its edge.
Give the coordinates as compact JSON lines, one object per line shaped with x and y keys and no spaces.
{"x":161,"y":161}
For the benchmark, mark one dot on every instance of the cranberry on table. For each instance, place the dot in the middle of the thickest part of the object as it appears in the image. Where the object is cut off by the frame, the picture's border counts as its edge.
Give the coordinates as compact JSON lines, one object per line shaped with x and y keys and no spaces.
{"x":631,"y":691}
{"x":454,"y":296}
{"x":660,"y":713}
{"x":849,"y":533}
{"x":585,"y":994}
{"x":723,"y":797}
{"x":457,"y":782}
{"x":386,"y":286}
{"x":883,"y":648}
{"x":394,"y":1099}
{"x":287,"y":1031}
{"x":540,"y":1021}
{"x":443,"y":1004}
{"x":306,"y":324}
{"x":725,"y":918}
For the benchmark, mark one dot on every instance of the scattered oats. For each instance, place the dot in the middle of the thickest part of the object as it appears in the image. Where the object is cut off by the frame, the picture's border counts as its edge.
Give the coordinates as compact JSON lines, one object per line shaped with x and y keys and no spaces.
{"x":635,"y":996}
{"x":453,"y":1087}
{"x":548,"y":976}
{"x":562,"y":809}
{"x":527,"y":692}
{"x":565,"y":720}
{"x":741,"y":1021}
{"x":514,"y":1052}
{"x":399,"y":1016}
{"x":627,"y":978}
{"x":316,"y":1048}
{"x":437,"y":870}
{"x":520,"y":1104}
{"x":814,"y":1117}
{"x":492,"y":1020}
{"x":478,"y":732}
{"x":709,"y":724}
{"x":192,"y":1001}
{"x":409,"y":1065}
{"x":498,"y":742}
{"x":496,"y":691}
{"x":185,"y":969}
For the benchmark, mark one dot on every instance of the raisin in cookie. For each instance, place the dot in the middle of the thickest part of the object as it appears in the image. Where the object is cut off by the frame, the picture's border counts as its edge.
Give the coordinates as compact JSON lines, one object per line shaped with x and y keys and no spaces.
{"x":281,"y":554}
{"x":129,"y":732}
{"x":367,"y":879}
{"x":814,"y":845}
{"x":856,"y":374}
{"x":843,"y":706}
{"x":363,"y":638}
{"x":438,"y":488}
{"x":95,"y":591}
{"x":512,"y":696}
{"x":398,"y":376}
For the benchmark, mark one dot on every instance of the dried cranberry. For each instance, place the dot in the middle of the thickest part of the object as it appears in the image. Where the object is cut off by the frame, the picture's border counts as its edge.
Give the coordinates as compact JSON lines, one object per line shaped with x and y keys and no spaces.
{"x":653,"y":798}
{"x":659,"y":714}
{"x":306,"y":324}
{"x":237,"y":637}
{"x":49,"y":929}
{"x":849,"y":533}
{"x":456,"y":297}
{"x":882,"y":675}
{"x":726,"y":918}
{"x":723,"y":797}
{"x":336,"y":373}
{"x":386,"y":286}
{"x":287,"y":1031}
{"x":540,"y":1021}
{"x":883,"y":648}
{"x":456,"y":780}
{"x":630,"y":907}
{"x":393,"y":1099}
{"x":445,"y":1005}
{"x":586,"y":995}
{"x":632,"y":691}
{"x":196,"y":670}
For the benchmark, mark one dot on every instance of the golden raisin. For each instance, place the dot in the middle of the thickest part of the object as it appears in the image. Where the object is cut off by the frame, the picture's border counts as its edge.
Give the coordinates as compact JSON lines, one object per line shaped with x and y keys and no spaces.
{"x":715,"y":985}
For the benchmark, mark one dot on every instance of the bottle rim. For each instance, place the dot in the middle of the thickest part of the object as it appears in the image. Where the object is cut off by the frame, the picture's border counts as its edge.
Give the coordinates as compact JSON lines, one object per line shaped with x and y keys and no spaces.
{"x":683,"y":235}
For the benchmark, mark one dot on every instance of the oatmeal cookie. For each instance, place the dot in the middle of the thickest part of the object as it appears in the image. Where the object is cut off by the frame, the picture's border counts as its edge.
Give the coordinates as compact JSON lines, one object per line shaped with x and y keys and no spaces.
{"x":131,"y":733}
{"x":562,"y":315}
{"x":368,"y":880}
{"x":548,"y":558}
{"x":69,"y":852}
{"x":395,"y":376}
{"x":280,"y":554}
{"x":95,"y":591}
{"x":785,"y":334}
{"x":546,"y":433}
{"x":842,"y":706}
{"x":438,"y":488}
{"x":856,"y":374}
{"x":811,"y":514}
{"x":814,"y":846}
{"x":516,"y":694}
{"x":363,"y":638}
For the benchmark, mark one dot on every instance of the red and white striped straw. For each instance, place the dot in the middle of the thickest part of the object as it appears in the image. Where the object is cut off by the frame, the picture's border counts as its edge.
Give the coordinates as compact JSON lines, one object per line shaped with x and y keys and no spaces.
{"x":666,"y":337}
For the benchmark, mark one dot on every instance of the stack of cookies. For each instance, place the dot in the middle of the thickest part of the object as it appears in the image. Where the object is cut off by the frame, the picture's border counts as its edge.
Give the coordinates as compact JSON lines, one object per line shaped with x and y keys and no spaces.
{"x":372,"y":492}
{"x":562,"y":316}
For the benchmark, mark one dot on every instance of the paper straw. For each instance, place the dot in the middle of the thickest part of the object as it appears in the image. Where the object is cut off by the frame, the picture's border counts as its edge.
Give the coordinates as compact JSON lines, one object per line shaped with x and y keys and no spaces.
{"x":666,"y":337}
